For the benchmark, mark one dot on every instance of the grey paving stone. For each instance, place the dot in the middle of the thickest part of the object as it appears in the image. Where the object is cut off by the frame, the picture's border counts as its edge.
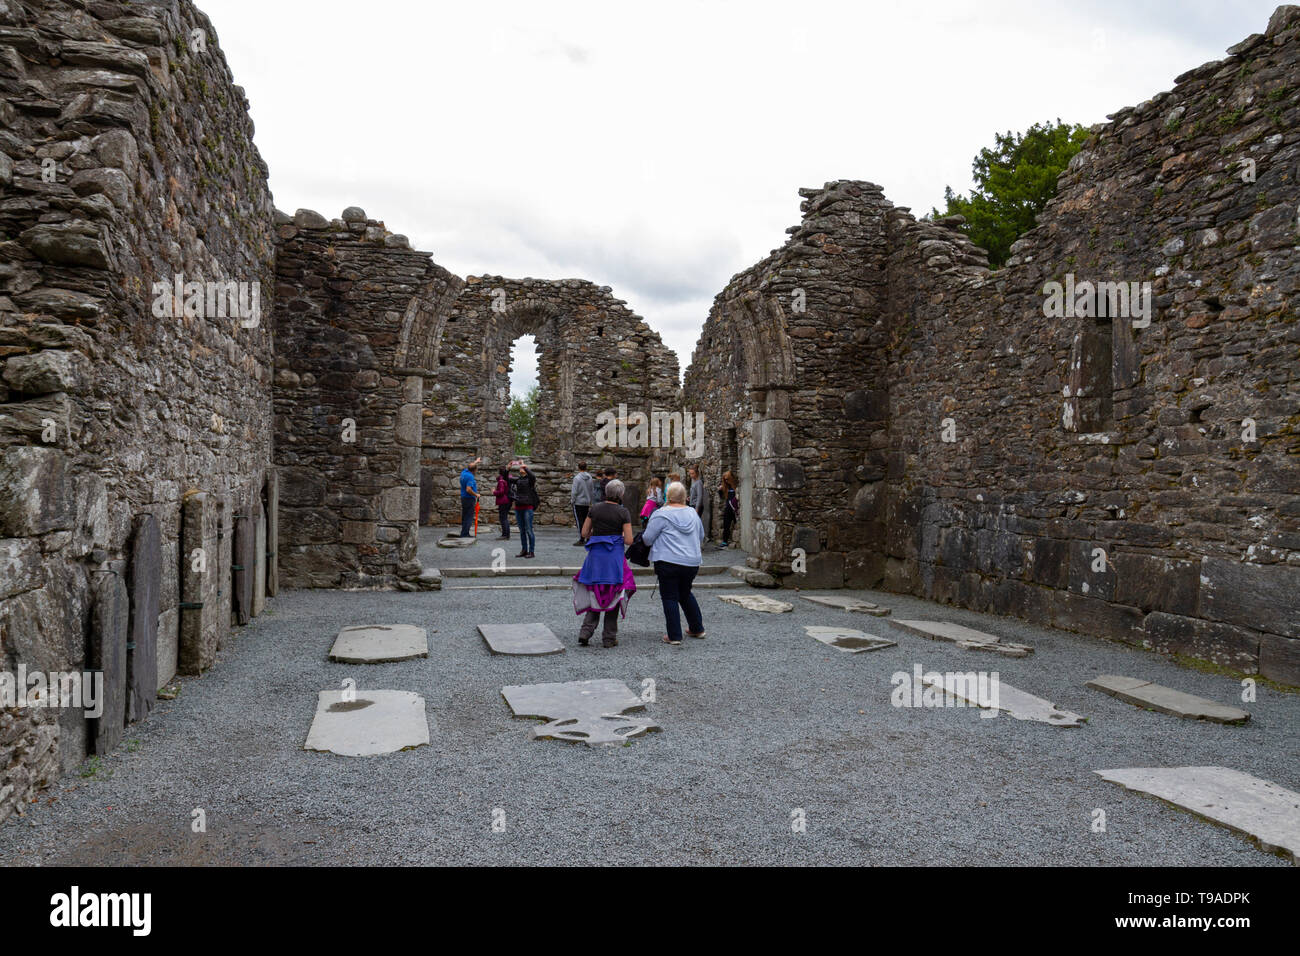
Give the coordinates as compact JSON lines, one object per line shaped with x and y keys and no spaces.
{"x":379,"y":644}
{"x":455,"y":541}
{"x":964,"y":637}
{"x":584,"y":711}
{"x":847,"y":604}
{"x":375,"y":722}
{"x":1166,"y":700}
{"x":1015,"y":703}
{"x":1262,"y":810}
{"x":520,"y":639}
{"x":756,"y":602}
{"x":848,"y":639}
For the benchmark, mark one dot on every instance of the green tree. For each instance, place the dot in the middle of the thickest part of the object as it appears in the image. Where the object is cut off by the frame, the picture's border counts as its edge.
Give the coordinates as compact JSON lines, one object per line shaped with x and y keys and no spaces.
{"x":523,"y":417}
{"x":1013,"y":182}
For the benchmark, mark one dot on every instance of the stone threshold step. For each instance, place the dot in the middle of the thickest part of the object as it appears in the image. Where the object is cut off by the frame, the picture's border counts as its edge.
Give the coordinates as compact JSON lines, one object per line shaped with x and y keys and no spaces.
{"x":549,"y":570}
{"x":644,"y":586}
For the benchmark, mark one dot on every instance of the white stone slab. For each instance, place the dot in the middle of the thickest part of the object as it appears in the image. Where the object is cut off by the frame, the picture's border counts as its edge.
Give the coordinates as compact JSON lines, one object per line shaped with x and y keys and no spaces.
{"x":520,"y":639}
{"x":456,"y":541}
{"x":964,"y":637}
{"x":756,"y":602}
{"x":847,"y":604}
{"x":379,"y":643}
{"x":847,"y":639}
{"x":1267,"y":813}
{"x":375,"y":722}
{"x":1166,"y":700}
{"x":1015,"y":703}
{"x":584,"y":711}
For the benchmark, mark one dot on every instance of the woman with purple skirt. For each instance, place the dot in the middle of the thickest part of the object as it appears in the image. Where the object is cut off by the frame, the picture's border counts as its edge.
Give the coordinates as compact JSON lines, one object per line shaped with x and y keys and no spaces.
{"x":605,"y":584}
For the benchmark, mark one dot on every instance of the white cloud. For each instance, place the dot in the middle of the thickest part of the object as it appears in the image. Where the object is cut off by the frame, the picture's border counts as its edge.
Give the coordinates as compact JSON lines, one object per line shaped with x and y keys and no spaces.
{"x":658,"y":148}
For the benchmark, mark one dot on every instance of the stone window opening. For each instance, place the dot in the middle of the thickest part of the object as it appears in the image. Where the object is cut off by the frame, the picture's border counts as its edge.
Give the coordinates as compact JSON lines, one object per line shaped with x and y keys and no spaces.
{"x":1089,"y":392}
{"x":600,"y":330}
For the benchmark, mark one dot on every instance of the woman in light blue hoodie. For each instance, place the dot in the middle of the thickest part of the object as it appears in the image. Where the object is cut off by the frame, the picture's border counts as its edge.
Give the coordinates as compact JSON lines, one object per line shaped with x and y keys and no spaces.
{"x":675,"y":534}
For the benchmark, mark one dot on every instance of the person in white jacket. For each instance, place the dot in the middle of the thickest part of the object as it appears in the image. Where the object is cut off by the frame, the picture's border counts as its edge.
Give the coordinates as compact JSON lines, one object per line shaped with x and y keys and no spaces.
{"x":675,"y":534}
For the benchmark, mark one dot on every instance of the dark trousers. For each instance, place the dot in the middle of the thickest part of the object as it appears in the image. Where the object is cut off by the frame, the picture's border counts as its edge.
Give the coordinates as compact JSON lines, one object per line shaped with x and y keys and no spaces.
{"x":503,"y":512}
{"x":608,"y":633}
{"x":728,"y":519}
{"x":525,"y":518}
{"x":675,"y":582}
{"x":466,"y":517}
{"x":580,"y":515}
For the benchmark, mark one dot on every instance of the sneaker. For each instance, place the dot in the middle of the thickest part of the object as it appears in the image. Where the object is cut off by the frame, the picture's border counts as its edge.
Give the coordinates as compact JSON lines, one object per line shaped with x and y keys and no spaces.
{"x":609,"y":642}
{"x":669,"y":640}
{"x":583,"y":641}
{"x":722,"y":546}
{"x":699,"y":635}
{"x":579,"y":543}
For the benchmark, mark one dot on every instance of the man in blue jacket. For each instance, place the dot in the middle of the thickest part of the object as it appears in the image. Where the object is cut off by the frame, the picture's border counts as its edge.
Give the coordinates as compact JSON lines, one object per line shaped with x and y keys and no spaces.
{"x":468,"y":498}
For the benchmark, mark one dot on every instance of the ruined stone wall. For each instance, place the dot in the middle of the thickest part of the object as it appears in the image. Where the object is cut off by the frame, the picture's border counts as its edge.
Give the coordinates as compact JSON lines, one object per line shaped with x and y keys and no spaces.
{"x":1081,"y":472}
{"x":789,"y":373}
{"x":125,"y":159}
{"x":594,"y":355}
{"x":1135,"y":510}
{"x":357,"y":324}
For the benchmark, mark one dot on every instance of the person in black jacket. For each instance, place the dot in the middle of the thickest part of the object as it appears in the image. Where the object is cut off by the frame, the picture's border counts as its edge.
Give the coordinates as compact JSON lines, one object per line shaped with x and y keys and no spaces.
{"x":526,"y":501}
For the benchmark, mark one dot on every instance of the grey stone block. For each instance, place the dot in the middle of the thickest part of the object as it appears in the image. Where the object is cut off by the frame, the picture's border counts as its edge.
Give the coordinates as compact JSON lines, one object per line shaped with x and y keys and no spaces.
{"x":527,"y":639}
{"x":146,"y":588}
{"x":110,"y":624}
{"x":589,"y":711}
{"x":1166,"y":700}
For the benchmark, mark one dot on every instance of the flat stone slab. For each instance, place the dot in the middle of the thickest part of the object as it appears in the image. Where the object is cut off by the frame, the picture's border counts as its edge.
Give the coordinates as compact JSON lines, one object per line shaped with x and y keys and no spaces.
{"x":1010,"y":701}
{"x":1267,"y":813}
{"x":375,"y":722}
{"x":379,"y":644}
{"x":456,"y":541}
{"x":847,"y":639}
{"x":520,"y":639}
{"x":1166,"y":700}
{"x":582,"y":711}
{"x":754,"y":577}
{"x":847,"y":604}
{"x":756,"y":602}
{"x":965,"y":637}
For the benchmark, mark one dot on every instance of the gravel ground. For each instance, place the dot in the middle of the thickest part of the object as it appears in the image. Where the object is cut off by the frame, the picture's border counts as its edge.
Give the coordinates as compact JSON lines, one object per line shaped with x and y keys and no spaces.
{"x":759,"y":720}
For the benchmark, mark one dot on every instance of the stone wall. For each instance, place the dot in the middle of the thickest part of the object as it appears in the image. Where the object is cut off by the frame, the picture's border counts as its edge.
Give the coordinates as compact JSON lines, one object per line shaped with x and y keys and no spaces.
{"x":126,"y":159}
{"x":594,"y":355}
{"x":357,"y":322}
{"x":1134,"y":481}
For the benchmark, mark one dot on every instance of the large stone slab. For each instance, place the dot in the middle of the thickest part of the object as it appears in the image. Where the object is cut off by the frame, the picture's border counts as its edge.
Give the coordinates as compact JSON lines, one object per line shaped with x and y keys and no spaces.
{"x":964,"y":637}
{"x":146,"y":591}
{"x":520,"y":639}
{"x":847,"y":604}
{"x":110,"y":622}
{"x":259,"y":566}
{"x":847,"y":639}
{"x":456,"y":541}
{"x":243,"y":559}
{"x":584,"y":711}
{"x":1010,"y":701}
{"x":1267,"y":813}
{"x":379,"y":644}
{"x":272,"y":532}
{"x":375,"y":722}
{"x":756,"y":602}
{"x":1166,"y":700}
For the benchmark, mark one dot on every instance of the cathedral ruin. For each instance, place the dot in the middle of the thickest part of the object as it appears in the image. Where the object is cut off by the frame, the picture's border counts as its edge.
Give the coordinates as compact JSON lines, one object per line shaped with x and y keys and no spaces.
{"x":900,"y":417}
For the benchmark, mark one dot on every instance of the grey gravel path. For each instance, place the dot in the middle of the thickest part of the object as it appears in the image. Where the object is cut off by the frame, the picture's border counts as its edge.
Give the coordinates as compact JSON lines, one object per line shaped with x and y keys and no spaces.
{"x":759,"y":721}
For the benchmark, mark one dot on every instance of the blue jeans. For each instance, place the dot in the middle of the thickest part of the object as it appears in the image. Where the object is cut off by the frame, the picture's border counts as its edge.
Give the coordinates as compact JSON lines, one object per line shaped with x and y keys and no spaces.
{"x":466,"y":517}
{"x":675,"y":591}
{"x":525,"y":518}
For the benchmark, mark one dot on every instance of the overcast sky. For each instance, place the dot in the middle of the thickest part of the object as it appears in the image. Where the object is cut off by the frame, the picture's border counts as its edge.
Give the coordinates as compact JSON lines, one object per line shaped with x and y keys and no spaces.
{"x":657,"y":147}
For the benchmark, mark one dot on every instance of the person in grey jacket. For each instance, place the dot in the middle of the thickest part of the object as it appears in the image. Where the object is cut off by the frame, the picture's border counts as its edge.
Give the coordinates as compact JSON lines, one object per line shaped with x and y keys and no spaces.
{"x":582,"y":495}
{"x":696,"y":500}
{"x":675,"y":534}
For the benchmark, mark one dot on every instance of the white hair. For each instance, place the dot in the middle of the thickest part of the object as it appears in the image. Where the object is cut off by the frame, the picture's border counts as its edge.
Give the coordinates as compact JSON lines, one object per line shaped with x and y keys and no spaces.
{"x":676,"y":493}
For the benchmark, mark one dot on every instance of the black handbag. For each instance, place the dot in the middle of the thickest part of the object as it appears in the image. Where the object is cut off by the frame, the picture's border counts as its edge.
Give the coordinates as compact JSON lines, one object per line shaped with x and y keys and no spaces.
{"x":638,"y":552}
